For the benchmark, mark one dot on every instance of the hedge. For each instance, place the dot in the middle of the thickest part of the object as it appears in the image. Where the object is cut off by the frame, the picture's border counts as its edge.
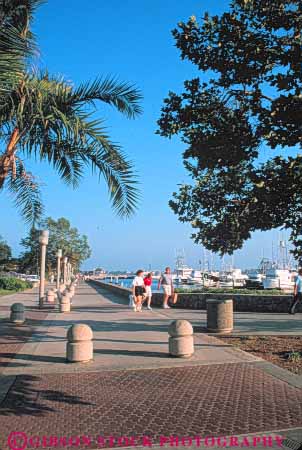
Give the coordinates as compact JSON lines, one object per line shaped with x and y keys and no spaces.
{"x":14,"y":284}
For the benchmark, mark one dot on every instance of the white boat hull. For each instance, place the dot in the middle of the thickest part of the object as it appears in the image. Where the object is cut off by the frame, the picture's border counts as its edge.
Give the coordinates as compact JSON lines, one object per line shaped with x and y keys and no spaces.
{"x":276,"y":283}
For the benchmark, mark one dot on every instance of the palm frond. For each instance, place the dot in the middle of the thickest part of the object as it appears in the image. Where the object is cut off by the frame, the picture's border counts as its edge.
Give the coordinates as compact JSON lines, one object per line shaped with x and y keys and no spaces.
{"x":26,"y":194}
{"x":13,"y":53}
{"x":65,"y":159}
{"x":17,"y":42}
{"x":98,"y":152}
{"x":107,"y":159}
{"x":124,"y":96}
{"x":104,"y":158}
{"x":57,"y":128}
{"x":18,"y":13}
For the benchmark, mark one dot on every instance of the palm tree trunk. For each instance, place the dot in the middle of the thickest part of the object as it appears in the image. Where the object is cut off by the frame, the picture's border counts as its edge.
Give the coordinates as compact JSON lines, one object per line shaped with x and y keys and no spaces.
{"x":6,"y":160}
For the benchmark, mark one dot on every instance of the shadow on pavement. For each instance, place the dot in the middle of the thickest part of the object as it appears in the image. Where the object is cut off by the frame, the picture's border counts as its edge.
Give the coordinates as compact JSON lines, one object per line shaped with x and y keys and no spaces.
{"x":101,"y":325}
{"x":28,"y":357}
{"x":132,"y":353}
{"x":24,"y":398}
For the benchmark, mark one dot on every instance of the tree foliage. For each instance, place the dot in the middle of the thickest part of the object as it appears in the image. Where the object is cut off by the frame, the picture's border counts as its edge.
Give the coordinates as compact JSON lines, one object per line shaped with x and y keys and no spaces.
{"x":5,"y":252}
{"x":17,"y":43}
{"x":49,"y":119}
{"x":13,"y":284}
{"x":61,"y":236}
{"x":252,"y":100}
{"x":30,"y":258}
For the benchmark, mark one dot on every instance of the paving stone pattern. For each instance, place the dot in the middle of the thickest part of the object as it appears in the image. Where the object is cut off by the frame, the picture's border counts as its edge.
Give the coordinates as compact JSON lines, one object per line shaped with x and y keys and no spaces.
{"x":213,"y":400}
{"x":13,"y":337}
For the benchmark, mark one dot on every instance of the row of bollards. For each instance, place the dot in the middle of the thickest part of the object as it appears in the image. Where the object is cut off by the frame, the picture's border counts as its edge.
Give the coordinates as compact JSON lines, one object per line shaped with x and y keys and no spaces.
{"x":80,"y":346}
{"x":219,"y":321}
{"x":181,"y":340}
{"x":64,"y":296}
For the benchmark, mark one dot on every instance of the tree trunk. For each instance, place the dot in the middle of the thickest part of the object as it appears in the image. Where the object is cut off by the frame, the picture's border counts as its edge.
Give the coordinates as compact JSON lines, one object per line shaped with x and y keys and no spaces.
{"x":6,"y":160}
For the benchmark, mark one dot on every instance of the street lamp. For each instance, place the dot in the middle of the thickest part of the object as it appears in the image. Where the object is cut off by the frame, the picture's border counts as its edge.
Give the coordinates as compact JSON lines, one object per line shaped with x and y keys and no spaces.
{"x":59,"y":256}
{"x":68,"y":273}
{"x":43,"y":240}
{"x":65,"y":270}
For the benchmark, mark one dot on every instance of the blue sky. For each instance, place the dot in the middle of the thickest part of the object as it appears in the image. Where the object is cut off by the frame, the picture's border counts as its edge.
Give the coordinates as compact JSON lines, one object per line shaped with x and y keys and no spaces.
{"x":131,"y":40}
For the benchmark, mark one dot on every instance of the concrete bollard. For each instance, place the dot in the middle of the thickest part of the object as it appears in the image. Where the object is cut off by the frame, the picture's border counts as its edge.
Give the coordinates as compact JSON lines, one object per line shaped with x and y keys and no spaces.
{"x":62,"y":287}
{"x":50,"y":296}
{"x":79,"y":343}
{"x":65,"y":304}
{"x":17,"y":314}
{"x":69,"y":294}
{"x":219,"y":316}
{"x":72,"y":290}
{"x":181,"y":341}
{"x":59,"y":295}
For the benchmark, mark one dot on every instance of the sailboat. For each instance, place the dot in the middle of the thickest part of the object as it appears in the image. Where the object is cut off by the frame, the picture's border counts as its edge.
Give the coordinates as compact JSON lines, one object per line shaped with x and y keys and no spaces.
{"x":182,"y":271}
{"x":230,"y":277}
{"x":257,"y":276}
{"x":281,"y":275}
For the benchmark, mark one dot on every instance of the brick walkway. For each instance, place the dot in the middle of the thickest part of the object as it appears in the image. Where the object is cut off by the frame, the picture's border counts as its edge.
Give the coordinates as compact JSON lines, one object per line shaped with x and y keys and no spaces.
{"x":13,"y":337}
{"x":217,"y":392}
{"x":212,"y":400}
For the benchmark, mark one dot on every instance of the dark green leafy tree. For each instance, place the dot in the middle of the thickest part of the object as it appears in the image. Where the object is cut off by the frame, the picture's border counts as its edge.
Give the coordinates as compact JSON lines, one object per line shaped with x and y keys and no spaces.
{"x":48,"y":119}
{"x":252,"y":99}
{"x":5,"y":253}
{"x":30,"y":257}
{"x":74,"y":245}
{"x":61,"y":236}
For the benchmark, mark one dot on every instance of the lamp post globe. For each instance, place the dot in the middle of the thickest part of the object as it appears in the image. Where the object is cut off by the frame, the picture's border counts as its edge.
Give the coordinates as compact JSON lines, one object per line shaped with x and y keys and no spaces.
{"x":43,"y":238}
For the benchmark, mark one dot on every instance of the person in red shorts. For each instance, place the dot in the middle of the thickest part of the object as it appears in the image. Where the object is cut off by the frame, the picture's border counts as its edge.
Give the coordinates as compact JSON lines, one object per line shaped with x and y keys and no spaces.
{"x":148,"y":284}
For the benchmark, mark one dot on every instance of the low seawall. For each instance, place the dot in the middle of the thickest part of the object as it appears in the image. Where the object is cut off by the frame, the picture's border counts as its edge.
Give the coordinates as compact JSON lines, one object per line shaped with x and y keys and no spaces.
{"x":242,"y":302}
{"x":122,"y":291}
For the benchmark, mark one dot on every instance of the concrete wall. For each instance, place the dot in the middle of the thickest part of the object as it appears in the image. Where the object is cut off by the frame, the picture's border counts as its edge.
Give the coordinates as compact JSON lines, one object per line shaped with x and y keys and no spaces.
{"x":122,"y":291}
{"x":242,"y":302}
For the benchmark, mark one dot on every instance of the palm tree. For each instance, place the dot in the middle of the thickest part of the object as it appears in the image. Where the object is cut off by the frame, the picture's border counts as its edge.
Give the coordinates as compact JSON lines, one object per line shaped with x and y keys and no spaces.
{"x":17,"y":43}
{"x":46,"y":118}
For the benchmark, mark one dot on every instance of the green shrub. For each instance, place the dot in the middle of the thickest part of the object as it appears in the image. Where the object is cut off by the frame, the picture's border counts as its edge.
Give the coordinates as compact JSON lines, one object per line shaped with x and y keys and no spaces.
{"x":14,"y":284}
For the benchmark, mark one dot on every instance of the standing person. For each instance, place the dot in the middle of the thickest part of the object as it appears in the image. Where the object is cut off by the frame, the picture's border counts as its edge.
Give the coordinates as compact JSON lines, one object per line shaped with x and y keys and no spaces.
{"x":297,"y":293}
{"x":167,"y":284}
{"x":148,"y":284}
{"x":138,"y":290}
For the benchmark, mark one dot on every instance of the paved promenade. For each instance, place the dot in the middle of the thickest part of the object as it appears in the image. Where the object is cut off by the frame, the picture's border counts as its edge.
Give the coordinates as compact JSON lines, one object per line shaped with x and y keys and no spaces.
{"x":133,"y":387}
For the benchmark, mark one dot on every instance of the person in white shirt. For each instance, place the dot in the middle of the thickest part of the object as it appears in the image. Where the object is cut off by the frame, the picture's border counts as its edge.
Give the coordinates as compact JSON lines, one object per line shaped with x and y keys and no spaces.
{"x":138,"y":290}
{"x":166,"y":281}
